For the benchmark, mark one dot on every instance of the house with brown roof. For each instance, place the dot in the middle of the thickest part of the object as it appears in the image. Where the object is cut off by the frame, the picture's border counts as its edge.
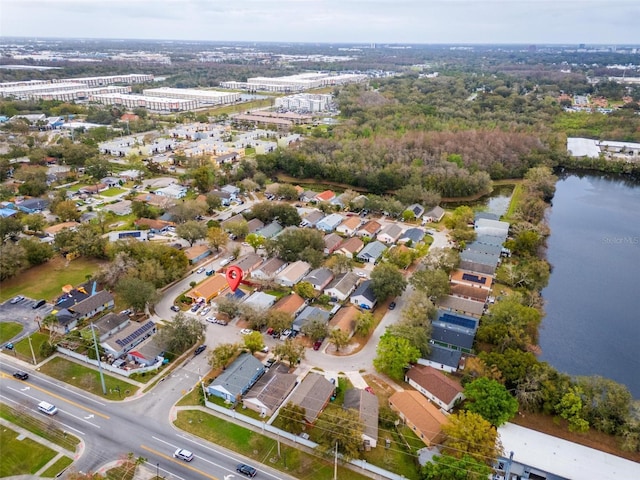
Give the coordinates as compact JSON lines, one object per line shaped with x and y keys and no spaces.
{"x":313,"y":394}
{"x":345,"y":319}
{"x":238,"y":217}
{"x":470,"y":293}
{"x":350,"y":247}
{"x":462,"y":277}
{"x":292,"y":304}
{"x":153,"y":225}
{"x":155,"y":200}
{"x":248,"y":263}
{"x":53,"y":230}
{"x":349,"y":226}
{"x":369,"y":229}
{"x":254,"y":224}
{"x":270,"y":391}
{"x":331,"y":243}
{"x":461,"y":305}
{"x":269,"y":269}
{"x":420,"y":415}
{"x":435,"y":385}
{"x":210,"y":288}
{"x":367,"y":406}
{"x":325,"y":196}
{"x":197,"y":253}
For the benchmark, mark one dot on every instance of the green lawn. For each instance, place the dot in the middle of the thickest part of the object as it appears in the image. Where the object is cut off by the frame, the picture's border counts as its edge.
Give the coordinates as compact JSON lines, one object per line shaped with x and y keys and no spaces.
{"x":22,"y":349}
{"x":516,"y":197}
{"x":261,"y":448}
{"x":45,"y":281}
{"x":21,"y":457}
{"x":396,"y":458}
{"x":112,"y":192}
{"x":87,"y":378}
{"x":39,"y":427}
{"x":8,"y":330}
{"x":59,"y":466}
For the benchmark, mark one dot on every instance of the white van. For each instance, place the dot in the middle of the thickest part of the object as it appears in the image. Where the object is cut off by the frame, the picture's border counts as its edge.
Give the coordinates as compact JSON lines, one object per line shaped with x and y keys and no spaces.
{"x":47,"y":408}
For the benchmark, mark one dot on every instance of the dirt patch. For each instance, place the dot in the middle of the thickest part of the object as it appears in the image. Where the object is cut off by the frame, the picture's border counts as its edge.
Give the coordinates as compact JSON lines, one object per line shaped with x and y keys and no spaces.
{"x":344,"y":351}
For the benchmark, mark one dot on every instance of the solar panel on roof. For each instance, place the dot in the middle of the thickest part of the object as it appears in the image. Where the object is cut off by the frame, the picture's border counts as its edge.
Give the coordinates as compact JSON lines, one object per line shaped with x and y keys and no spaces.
{"x":456,"y":320}
{"x":474,"y":278}
{"x":137,"y":333}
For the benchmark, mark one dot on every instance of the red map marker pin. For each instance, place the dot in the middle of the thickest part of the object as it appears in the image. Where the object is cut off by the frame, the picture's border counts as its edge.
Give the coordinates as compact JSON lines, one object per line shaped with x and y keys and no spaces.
{"x":234,"y":277}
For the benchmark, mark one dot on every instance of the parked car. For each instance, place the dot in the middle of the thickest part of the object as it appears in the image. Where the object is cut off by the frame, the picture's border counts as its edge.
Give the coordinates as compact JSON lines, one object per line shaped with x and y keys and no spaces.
{"x":16,"y":299}
{"x":245,"y":331}
{"x":317,"y":345}
{"x":200,"y":349}
{"x":361,"y":274}
{"x":196,"y":307}
{"x":200,"y":270}
{"x":183,"y":454}
{"x":205,"y":310}
{"x":21,"y":375}
{"x":211,"y":319}
{"x":175,"y":308}
{"x":370,"y":390}
{"x":246,"y":470}
{"x":392,"y":305}
{"x":39,"y":303}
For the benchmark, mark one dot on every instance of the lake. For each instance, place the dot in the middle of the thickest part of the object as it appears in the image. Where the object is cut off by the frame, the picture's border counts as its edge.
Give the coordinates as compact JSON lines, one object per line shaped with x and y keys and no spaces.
{"x":592,"y":302}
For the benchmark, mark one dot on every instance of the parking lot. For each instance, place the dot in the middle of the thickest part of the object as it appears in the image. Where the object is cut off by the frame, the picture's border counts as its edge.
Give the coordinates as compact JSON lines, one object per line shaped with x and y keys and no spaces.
{"x":24,"y":313}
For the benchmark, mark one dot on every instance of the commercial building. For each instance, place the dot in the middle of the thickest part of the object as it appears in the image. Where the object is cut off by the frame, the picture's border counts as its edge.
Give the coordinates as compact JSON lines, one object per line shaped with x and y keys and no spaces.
{"x":294,"y":83}
{"x":157,"y":104}
{"x":204,"y":97}
{"x":305,"y":102}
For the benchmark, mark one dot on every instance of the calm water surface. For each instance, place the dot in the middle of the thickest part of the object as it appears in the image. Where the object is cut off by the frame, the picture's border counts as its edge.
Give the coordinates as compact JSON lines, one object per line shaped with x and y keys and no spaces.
{"x":592,"y":302}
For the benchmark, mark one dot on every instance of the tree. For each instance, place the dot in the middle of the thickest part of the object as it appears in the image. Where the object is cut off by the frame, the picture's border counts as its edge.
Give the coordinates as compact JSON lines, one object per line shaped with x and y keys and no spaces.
{"x":435,"y":283}
{"x":191,"y":231}
{"x":364,"y":322}
{"x":342,"y":428}
{"x":89,"y":242}
{"x":238,"y":228}
{"x":188,"y":210}
{"x":525,"y":243}
{"x":305,"y":290}
{"x":446,"y":259}
{"x":316,"y":329}
{"x":66,"y":211}
{"x":137,"y":293}
{"x":467,"y":433}
{"x":447,"y":467}
{"x":491,"y":400}
{"x":254,"y":342}
{"x":12,"y":260}
{"x":394,"y":355}
{"x":256,"y":241}
{"x":222,"y":354}
{"x":541,"y":182}
{"x":229,"y":306}
{"x":339,"y":338}
{"x":287,"y":191}
{"x":279,"y":320}
{"x":217,"y":238}
{"x":213,"y":202}
{"x":10,"y":227}
{"x":294,"y":418}
{"x":340,"y":264}
{"x":181,"y":333}
{"x":401,"y":256}
{"x":255,"y":317}
{"x":97,"y":168}
{"x":387,"y":281}
{"x":606,"y":403}
{"x":570,"y":408}
{"x":36,"y":252}
{"x":34,"y":222}
{"x":509,"y":324}
{"x":290,"y":351}
{"x":291,"y":244}
{"x":203,"y":178}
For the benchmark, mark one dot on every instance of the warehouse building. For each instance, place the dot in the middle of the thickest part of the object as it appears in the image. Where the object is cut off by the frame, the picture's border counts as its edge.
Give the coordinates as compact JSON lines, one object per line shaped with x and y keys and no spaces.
{"x":204,"y":97}
{"x":156,"y":104}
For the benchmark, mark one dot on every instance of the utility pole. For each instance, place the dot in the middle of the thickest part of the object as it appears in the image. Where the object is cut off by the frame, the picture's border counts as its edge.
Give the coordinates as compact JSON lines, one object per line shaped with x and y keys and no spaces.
{"x":95,"y":344}
{"x":335,"y":463}
{"x":33,"y":355}
{"x":507,"y":473}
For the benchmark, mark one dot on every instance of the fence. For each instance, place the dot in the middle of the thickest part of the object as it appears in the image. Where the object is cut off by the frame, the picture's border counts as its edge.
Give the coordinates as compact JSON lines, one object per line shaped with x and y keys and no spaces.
{"x":106,"y":366}
{"x":363,"y":464}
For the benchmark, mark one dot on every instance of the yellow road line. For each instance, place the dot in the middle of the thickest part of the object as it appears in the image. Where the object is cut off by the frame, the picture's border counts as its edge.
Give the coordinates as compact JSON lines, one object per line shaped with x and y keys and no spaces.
{"x":178,"y":462}
{"x":64,"y":399}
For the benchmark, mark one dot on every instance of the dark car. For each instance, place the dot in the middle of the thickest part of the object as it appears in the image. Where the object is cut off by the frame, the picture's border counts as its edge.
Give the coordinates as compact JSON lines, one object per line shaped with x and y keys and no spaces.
{"x":392,"y":305}
{"x":246,"y":470}
{"x":200,"y":349}
{"x":175,"y":308}
{"x":21,"y":375}
{"x":38,"y":304}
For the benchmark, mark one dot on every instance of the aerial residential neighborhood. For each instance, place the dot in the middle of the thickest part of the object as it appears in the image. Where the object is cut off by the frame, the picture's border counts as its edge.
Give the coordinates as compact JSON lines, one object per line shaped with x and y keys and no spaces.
{"x":300,"y":260}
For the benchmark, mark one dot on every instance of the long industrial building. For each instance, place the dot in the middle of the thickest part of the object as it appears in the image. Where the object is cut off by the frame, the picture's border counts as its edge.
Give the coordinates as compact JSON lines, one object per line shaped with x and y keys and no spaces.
{"x":156,"y":104}
{"x":294,"y":83}
{"x":305,"y":102}
{"x":204,"y":97}
{"x":109,"y":80}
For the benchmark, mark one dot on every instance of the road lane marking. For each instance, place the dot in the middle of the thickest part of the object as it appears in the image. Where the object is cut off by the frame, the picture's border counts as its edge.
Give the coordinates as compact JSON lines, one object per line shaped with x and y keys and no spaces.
{"x":178,"y":462}
{"x":36,"y":411}
{"x":74,"y":392}
{"x":173,"y":475}
{"x":59,"y":397}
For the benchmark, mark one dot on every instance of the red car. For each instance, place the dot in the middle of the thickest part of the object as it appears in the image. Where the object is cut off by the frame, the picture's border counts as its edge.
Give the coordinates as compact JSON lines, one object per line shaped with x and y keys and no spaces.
{"x":370,"y":390}
{"x":317,"y":345}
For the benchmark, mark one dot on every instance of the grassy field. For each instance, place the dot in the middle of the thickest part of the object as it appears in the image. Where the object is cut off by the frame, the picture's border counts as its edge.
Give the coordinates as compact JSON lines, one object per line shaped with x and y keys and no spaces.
{"x":8,"y":330}
{"x":39,"y":427}
{"x":259,"y":447}
{"x":112,"y":192}
{"x":87,"y":378}
{"x":22,"y":349}
{"x":59,"y":466}
{"x":516,"y":198}
{"x":45,"y":281}
{"x":21,"y":457}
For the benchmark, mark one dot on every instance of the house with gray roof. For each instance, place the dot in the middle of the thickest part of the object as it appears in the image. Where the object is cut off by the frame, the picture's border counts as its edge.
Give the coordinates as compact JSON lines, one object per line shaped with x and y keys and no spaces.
{"x":128,"y":338}
{"x":270,"y":391}
{"x":313,"y":394}
{"x":110,"y":324}
{"x":481,"y":258}
{"x":416,"y":209}
{"x":293,"y":273}
{"x":91,"y":306}
{"x":254,"y":224}
{"x":461,"y":305}
{"x":231,"y":220}
{"x":309,"y":314}
{"x":312,"y":218}
{"x":442,"y":358}
{"x":237,"y":379}
{"x":492,"y":227}
{"x":484,"y":248}
{"x":270,"y":231}
{"x":33,"y":205}
{"x":269,"y":269}
{"x":372,"y":252}
{"x":363,"y":296}
{"x":342,"y":286}
{"x":477,"y":267}
{"x":367,"y":406}
{"x":248,"y":263}
{"x":147,"y":353}
{"x":330,"y":222}
{"x":260,"y":301}
{"x":413,"y":235}
{"x":433,"y":215}
{"x":452,"y":336}
{"x":390,"y":233}
{"x":319,"y":278}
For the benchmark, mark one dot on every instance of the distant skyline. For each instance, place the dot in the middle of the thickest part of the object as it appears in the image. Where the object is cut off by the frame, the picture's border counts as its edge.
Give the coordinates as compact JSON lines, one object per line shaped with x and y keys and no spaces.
{"x":608,"y":22}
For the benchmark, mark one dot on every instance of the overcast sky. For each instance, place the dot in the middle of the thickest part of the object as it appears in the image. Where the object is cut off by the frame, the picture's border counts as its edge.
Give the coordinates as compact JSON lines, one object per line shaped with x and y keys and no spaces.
{"x":379,"y":21}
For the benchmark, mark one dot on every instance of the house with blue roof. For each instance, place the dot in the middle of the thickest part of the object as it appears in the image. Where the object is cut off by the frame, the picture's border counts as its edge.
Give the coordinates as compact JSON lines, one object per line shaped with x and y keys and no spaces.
{"x":413,"y":235}
{"x":33,"y":205}
{"x":363,"y":296}
{"x":308,"y":315}
{"x":372,"y":252}
{"x":330,"y":222}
